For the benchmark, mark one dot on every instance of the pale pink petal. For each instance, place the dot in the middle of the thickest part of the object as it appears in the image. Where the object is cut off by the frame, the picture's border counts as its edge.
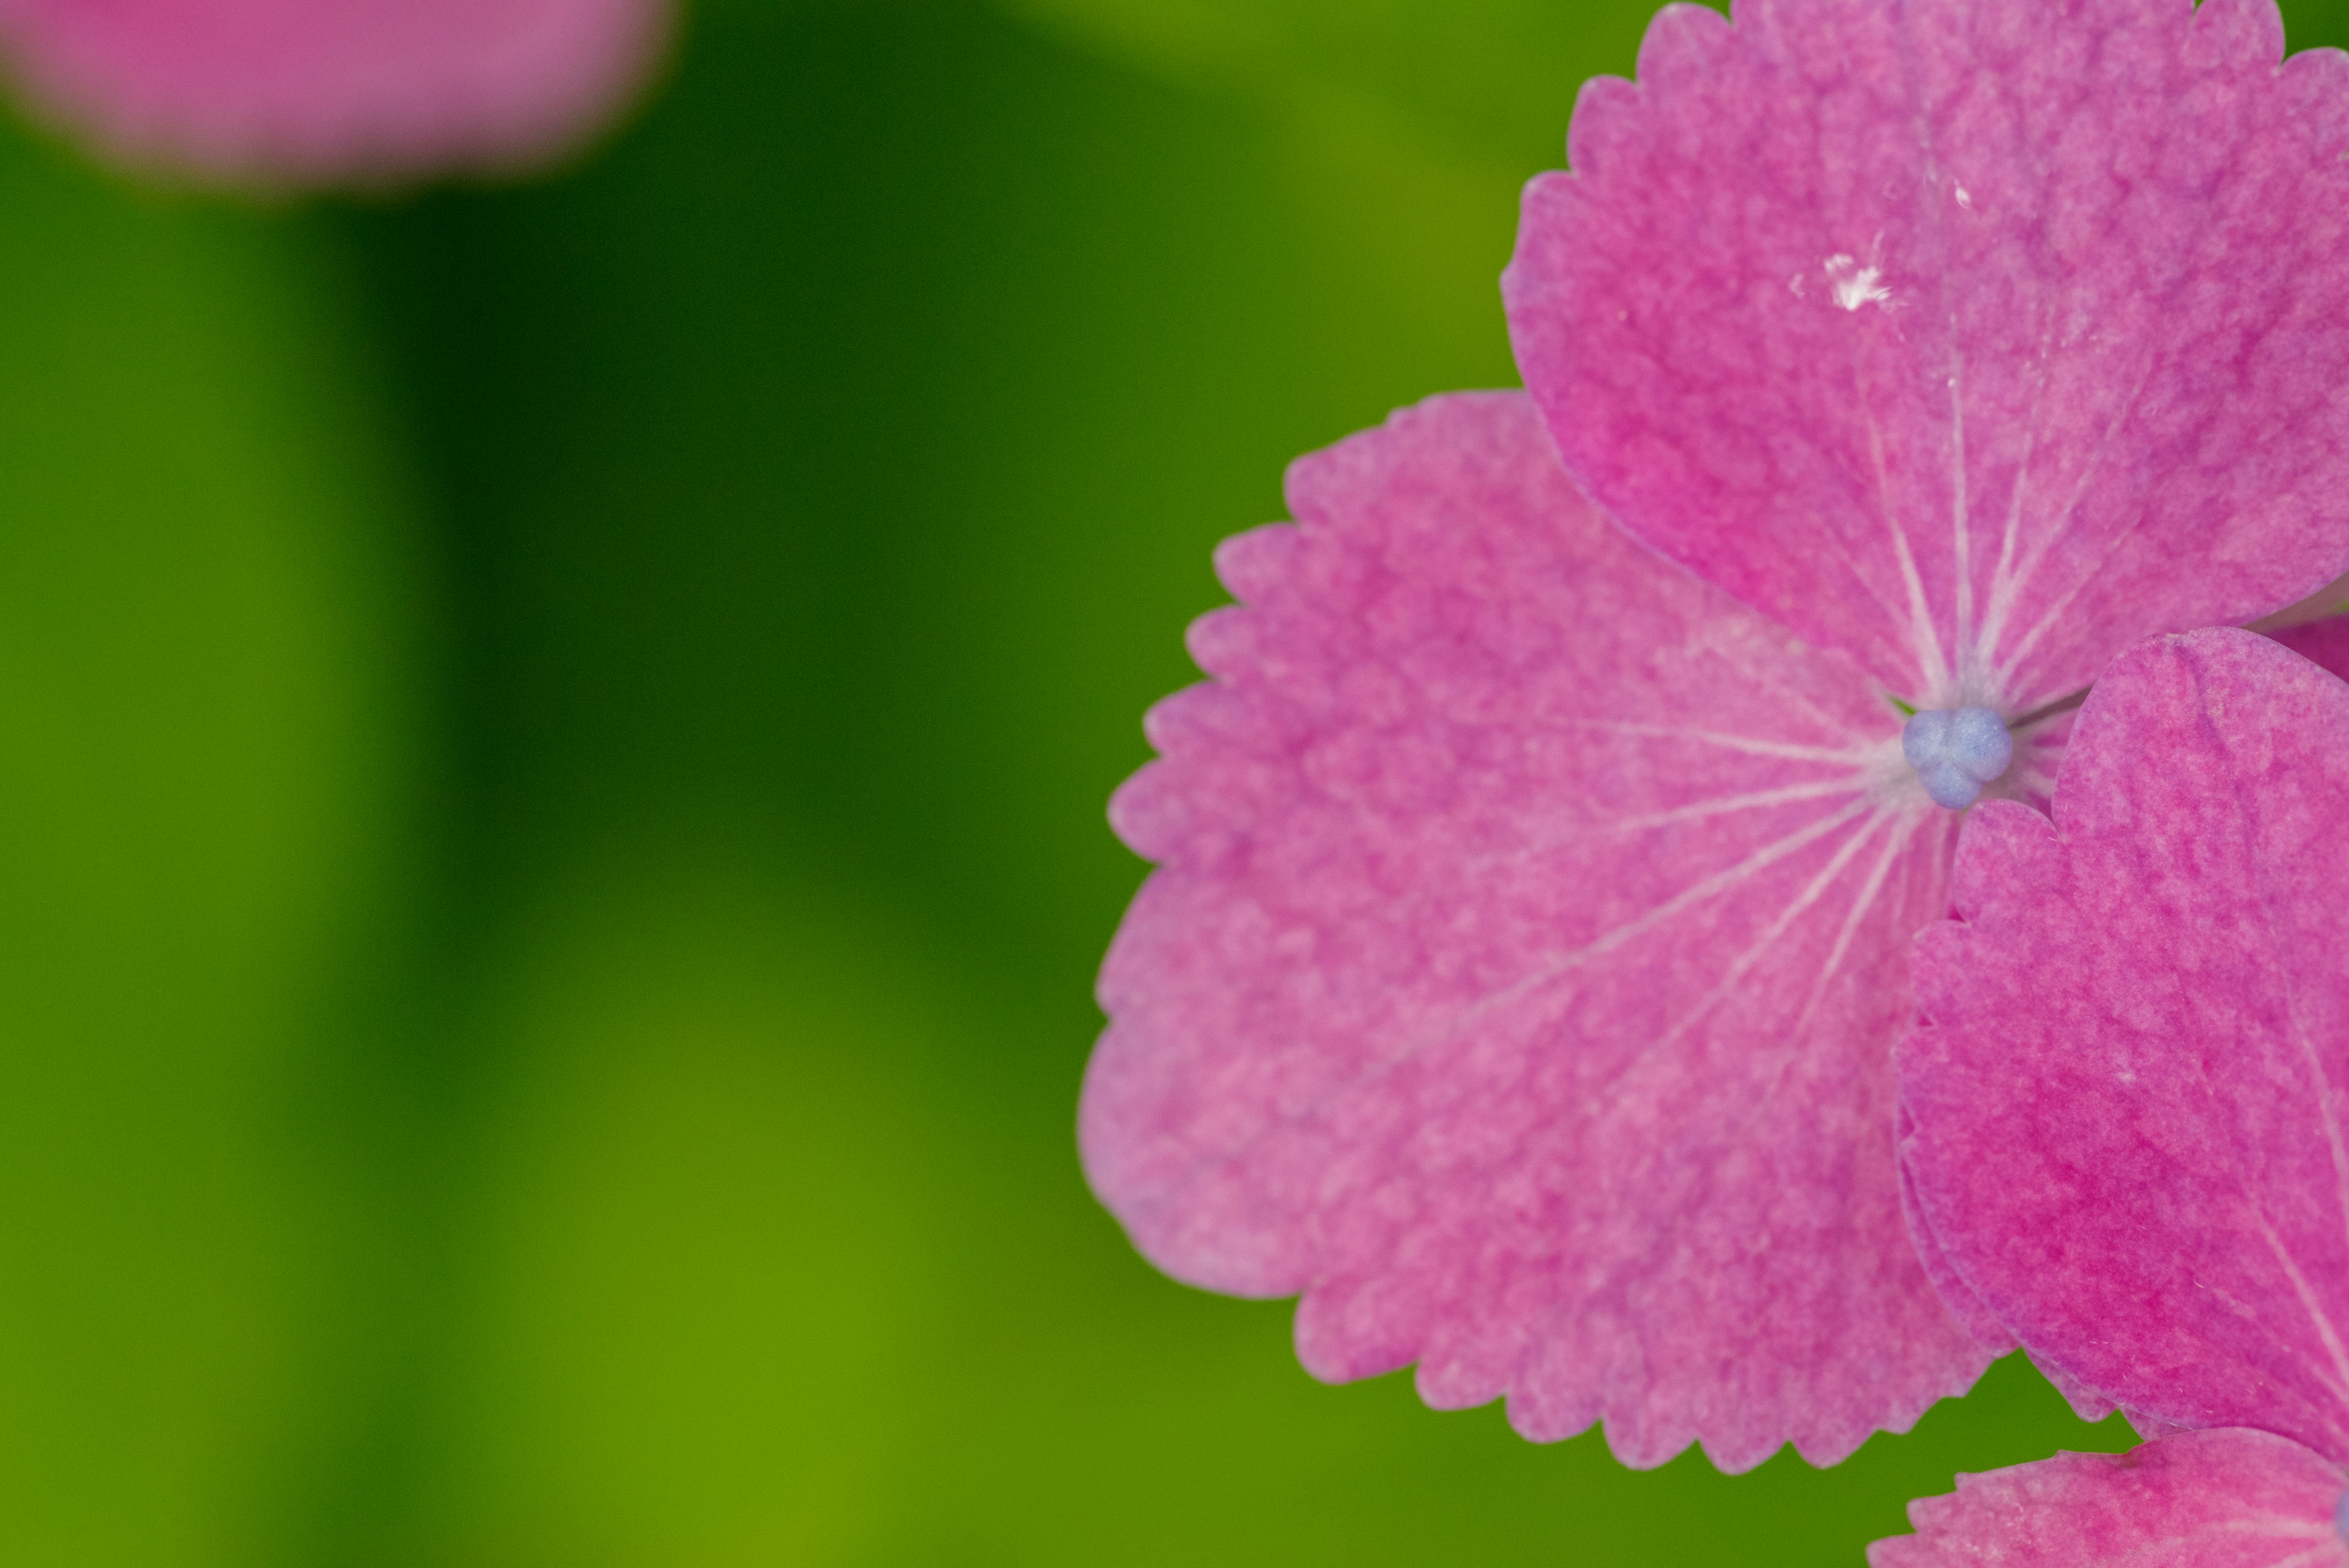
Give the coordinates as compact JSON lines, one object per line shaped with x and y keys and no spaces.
{"x":2227,"y":1499}
{"x":1519,"y":978}
{"x":2125,"y":1093}
{"x":1974,"y":337}
{"x":300,"y":91}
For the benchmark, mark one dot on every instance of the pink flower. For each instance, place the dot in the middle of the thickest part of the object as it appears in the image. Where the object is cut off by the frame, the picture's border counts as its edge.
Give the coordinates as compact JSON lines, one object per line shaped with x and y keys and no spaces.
{"x":281,"y":92}
{"x":1531,"y":926}
{"x":2126,"y":1101}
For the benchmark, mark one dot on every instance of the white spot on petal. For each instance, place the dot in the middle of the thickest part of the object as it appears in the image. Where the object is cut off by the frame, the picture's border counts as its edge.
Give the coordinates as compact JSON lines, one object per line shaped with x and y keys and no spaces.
{"x":1965,"y":199}
{"x":1855,"y":284}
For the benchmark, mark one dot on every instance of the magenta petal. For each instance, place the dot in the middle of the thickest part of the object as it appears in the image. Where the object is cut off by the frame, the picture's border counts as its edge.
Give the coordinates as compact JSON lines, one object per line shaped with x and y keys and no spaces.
{"x":1974,"y":337}
{"x":1976,"y":1319}
{"x":2123,"y":1096}
{"x":1519,"y":978}
{"x":2227,"y":1498}
{"x":302,"y":92}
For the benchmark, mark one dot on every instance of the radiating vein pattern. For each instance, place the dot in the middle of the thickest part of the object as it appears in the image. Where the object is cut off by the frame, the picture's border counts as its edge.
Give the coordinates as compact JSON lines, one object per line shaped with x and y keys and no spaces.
{"x":1516,"y":984}
{"x":2099,"y":312}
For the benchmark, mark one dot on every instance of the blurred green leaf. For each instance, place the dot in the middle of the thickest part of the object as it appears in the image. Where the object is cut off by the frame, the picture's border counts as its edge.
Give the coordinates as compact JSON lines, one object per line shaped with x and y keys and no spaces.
{"x":1492,"y":81}
{"x":201,"y":742}
{"x":2315,"y":23}
{"x":703,"y":1235}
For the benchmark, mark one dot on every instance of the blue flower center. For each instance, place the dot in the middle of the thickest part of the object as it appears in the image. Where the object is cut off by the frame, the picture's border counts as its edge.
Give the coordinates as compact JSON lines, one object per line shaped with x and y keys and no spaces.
{"x":1956,"y":751}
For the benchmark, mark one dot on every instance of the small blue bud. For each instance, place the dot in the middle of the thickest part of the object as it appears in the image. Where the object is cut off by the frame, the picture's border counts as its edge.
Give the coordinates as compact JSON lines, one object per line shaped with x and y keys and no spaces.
{"x":1956,"y":751}
{"x":1948,"y":786}
{"x":1925,"y":737}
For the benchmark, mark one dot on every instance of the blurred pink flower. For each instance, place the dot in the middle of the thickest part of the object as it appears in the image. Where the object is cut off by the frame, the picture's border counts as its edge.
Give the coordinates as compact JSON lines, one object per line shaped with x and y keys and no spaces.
{"x":285,"y":92}
{"x":2124,"y":1107}
{"x":1531,"y":927}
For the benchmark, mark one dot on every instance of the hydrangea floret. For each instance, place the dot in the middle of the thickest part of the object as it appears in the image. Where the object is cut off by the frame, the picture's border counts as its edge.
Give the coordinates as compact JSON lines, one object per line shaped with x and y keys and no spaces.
{"x":2124,"y":1110}
{"x":1536,"y":875}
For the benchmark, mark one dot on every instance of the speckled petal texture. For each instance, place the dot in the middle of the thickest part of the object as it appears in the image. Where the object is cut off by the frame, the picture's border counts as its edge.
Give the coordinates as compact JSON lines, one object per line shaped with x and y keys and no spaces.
{"x":1974,"y":337}
{"x":302,"y":92}
{"x":2123,"y":1097}
{"x":1520,"y":975}
{"x":2229,"y":1499}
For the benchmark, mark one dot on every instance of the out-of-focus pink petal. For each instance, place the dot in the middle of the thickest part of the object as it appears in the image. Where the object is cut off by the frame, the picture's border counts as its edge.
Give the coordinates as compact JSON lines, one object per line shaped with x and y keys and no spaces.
{"x":2227,"y":1499}
{"x":2327,"y":641}
{"x":1519,"y":978}
{"x":306,"y":91}
{"x":1974,"y":337}
{"x":2125,"y":1093}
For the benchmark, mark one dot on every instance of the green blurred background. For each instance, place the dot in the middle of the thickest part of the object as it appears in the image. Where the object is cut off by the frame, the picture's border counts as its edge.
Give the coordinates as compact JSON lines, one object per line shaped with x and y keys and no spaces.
{"x":555,"y":740}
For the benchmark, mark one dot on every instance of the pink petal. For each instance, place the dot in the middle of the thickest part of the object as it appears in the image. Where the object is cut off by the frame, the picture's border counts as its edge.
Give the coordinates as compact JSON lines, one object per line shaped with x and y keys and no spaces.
{"x":322,"y":91}
{"x":1520,"y":974}
{"x":1974,"y":337}
{"x":2227,"y":1499}
{"x":2124,"y":1095}
{"x":1980,"y":1327}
